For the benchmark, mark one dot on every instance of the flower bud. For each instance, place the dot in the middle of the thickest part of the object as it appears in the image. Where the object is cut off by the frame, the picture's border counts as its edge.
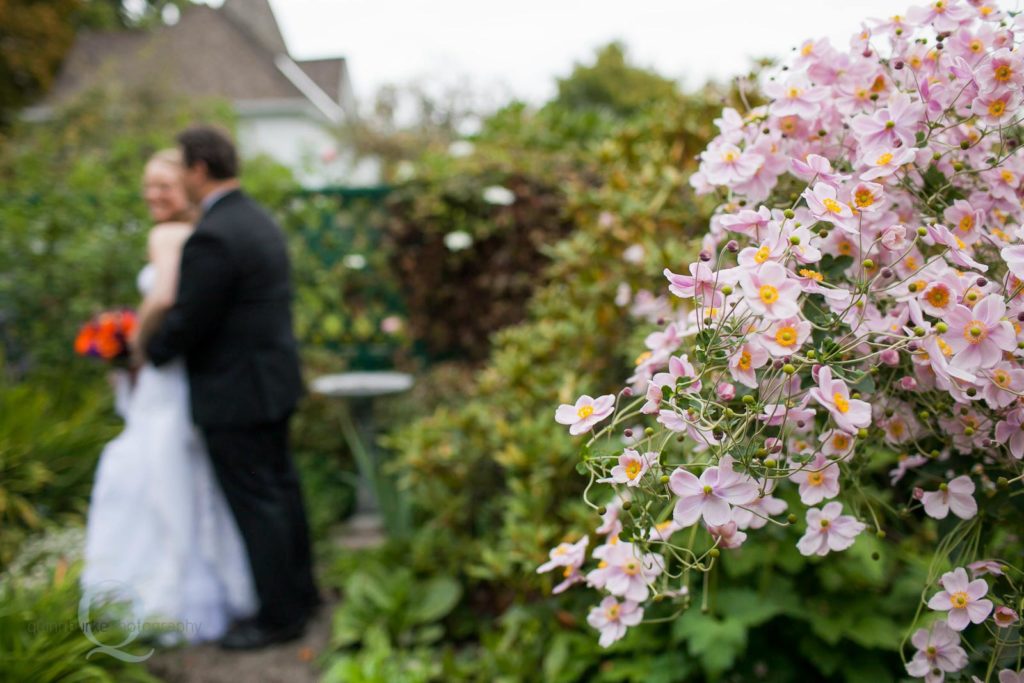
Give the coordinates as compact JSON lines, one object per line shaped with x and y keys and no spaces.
{"x":794,"y":240}
{"x":727,"y":289}
{"x":791,"y":518}
{"x":649,"y":431}
{"x":627,"y":392}
{"x":862,"y":433}
{"x":732,"y":246}
{"x":626,"y":504}
{"x":628,"y":433}
{"x":788,"y":369}
{"x":788,"y":213}
{"x":663,"y":479}
{"x":725,"y":391}
{"x":770,"y":463}
{"x":714,"y":552}
{"x":868,"y":264}
{"x":748,"y":399}
{"x":941,"y":327}
{"x":922,"y":231}
{"x":705,"y":255}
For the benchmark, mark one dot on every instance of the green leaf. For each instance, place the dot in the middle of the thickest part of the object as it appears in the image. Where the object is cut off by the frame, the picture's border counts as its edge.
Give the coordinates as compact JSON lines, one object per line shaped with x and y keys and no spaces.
{"x":437,"y":597}
{"x":716,"y":642}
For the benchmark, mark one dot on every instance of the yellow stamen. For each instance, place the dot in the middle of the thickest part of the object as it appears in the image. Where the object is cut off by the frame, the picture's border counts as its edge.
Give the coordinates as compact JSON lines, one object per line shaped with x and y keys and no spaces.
{"x":762,"y":254}
{"x":832,"y":206}
{"x":842,"y":403}
{"x":975,"y":332}
{"x":863,"y":199}
{"x":633,"y":469}
{"x":768,"y":294}
{"x":786,"y":336}
{"x":585,"y":412}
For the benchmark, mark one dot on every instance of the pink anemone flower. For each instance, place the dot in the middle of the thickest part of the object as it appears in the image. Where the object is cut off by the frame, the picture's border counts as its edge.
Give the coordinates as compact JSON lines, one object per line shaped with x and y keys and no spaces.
{"x":963,"y":599}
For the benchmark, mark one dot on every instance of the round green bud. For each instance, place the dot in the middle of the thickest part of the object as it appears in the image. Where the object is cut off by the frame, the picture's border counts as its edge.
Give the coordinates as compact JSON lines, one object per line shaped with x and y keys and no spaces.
{"x":649,"y":431}
{"x":875,"y":556}
{"x":794,"y":240}
{"x":811,"y":355}
{"x":862,"y":433}
{"x":868,"y":263}
{"x":748,"y":399}
{"x":924,"y":415}
{"x":761,"y":452}
{"x":934,"y":453}
{"x":957,"y":166}
{"x":968,"y":431}
{"x":602,"y":510}
{"x":922,"y":231}
{"x":663,"y":479}
{"x":941,"y":327}
{"x":788,"y":213}
{"x":880,"y":533}
{"x":770,"y":462}
{"x":936,"y":156}
{"x":920,"y":332}
{"x":1002,"y":482}
{"x":823,"y":233}
{"x":788,"y":369}
{"x":626,"y":504}
{"x":714,"y":552}
{"x":791,"y":518}
{"x":727,"y":289}
{"x":964,"y":144}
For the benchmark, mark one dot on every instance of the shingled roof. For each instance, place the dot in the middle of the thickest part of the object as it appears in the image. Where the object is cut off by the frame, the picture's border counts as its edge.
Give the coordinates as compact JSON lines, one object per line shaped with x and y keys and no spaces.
{"x":236,"y":53}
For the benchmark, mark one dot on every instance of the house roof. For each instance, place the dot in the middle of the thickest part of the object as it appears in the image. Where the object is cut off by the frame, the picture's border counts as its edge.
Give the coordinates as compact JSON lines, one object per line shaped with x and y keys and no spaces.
{"x":233,"y":53}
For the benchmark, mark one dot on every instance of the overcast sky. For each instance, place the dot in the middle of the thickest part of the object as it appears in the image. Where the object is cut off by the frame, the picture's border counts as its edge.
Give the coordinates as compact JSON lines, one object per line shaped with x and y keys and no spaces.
{"x":519,"y":47}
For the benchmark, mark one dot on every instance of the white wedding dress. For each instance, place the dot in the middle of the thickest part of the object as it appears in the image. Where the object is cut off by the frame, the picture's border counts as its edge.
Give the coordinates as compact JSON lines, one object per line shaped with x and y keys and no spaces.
{"x":160,"y":534}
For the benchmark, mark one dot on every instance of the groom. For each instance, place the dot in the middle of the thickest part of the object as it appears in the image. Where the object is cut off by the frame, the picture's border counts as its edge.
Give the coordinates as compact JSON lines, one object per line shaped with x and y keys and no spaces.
{"x":232,"y":322}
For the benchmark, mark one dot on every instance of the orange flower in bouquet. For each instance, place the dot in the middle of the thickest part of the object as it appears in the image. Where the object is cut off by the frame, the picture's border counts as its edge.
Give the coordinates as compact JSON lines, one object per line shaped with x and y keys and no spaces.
{"x":106,"y":336}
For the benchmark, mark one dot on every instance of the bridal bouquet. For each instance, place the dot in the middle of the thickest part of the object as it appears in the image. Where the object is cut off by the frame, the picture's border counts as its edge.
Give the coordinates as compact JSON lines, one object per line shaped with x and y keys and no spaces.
{"x":857,"y":306}
{"x":106,"y":336}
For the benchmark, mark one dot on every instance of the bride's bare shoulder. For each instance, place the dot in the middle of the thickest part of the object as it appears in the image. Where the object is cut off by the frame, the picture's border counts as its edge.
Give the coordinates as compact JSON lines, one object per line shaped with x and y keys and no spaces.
{"x":170,"y":235}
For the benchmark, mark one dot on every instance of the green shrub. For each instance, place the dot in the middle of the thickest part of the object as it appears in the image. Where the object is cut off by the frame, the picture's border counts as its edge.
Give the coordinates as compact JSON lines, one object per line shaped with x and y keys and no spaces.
{"x":49,"y":445}
{"x":41,"y":639}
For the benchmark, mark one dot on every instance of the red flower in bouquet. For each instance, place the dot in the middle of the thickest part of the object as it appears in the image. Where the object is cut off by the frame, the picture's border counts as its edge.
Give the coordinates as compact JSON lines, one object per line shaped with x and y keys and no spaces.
{"x":106,"y":336}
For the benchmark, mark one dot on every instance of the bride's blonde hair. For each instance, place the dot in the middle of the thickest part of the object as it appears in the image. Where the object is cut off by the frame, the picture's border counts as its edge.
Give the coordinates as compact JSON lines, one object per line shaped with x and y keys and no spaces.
{"x":170,"y":155}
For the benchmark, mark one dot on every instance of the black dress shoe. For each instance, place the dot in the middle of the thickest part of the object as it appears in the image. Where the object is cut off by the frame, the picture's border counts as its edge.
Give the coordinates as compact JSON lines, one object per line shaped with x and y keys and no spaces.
{"x":253,"y":635}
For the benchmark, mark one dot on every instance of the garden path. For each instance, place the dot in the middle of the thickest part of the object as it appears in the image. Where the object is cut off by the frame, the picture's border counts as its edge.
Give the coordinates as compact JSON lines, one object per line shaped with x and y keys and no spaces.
{"x":288,"y":663}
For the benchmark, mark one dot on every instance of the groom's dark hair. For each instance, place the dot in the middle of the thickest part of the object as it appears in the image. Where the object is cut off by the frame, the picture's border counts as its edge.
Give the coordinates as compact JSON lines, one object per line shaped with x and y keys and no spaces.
{"x":213,"y":147}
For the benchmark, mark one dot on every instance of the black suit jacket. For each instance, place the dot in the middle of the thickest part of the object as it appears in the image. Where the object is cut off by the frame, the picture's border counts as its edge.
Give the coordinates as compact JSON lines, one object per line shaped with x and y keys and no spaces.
{"x":232,"y":319}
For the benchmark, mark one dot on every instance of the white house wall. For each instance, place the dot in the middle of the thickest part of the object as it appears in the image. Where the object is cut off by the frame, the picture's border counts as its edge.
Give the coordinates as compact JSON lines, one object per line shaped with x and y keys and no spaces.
{"x":303,"y":145}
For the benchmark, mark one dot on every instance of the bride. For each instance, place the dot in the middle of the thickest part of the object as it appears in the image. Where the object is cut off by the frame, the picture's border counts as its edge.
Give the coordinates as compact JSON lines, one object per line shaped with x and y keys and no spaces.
{"x":160,"y":535}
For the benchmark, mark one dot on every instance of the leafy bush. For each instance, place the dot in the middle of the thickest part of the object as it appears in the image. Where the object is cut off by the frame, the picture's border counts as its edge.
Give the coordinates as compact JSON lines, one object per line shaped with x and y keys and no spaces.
{"x":48,"y":451}
{"x":40,"y":635}
{"x":467,"y":244}
{"x":489,"y":473}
